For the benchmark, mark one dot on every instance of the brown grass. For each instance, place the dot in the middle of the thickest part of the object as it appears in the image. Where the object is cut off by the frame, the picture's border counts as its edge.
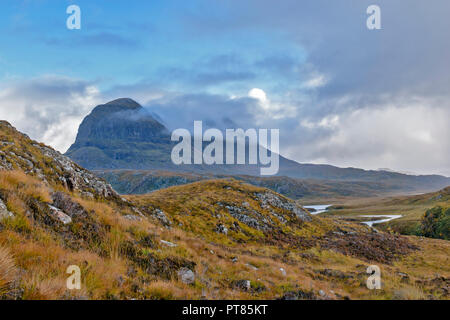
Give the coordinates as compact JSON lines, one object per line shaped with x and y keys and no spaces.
{"x":22,"y":183}
{"x":7,"y":269}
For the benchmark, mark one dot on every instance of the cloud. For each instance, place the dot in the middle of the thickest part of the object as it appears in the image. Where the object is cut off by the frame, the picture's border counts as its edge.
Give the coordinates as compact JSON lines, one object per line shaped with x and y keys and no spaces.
{"x":339,"y":93}
{"x":217,"y":111}
{"x":411,"y":136}
{"x":315,"y":81}
{"x":48,"y":108}
{"x":258,"y":94}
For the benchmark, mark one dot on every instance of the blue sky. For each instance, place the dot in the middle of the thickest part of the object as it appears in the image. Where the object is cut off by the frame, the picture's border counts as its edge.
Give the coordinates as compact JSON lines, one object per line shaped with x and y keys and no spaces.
{"x":338,"y":92}
{"x":124,"y":42}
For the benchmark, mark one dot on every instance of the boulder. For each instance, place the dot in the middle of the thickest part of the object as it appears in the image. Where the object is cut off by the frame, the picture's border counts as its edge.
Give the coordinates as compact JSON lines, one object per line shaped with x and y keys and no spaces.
{"x":58,"y":214}
{"x":186,"y":275}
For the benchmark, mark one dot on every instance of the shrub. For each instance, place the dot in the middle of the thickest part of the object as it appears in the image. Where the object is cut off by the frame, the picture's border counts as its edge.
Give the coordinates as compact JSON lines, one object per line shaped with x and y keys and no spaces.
{"x":436,"y":223}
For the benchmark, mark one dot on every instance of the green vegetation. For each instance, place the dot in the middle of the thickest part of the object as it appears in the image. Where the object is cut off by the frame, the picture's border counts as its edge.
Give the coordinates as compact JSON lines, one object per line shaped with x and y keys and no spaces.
{"x":435,"y":223}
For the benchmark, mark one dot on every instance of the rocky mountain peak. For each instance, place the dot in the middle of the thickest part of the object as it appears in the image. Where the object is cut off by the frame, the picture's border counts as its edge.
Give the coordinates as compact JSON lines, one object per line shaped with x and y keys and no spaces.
{"x":125,"y":103}
{"x":118,"y":134}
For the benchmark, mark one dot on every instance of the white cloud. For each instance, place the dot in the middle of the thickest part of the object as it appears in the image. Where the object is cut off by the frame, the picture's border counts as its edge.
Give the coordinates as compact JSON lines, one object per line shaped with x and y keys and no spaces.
{"x":258,"y":94}
{"x":269,"y":110}
{"x":315,"y":81}
{"x":329,"y":122}
{"x":407,"y":137}
{"x":49,"y":108}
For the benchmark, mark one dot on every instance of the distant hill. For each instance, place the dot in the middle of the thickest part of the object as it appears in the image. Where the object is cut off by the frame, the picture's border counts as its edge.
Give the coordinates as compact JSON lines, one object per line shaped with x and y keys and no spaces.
{"x":145,"y":181}
{"x":121,"y":134}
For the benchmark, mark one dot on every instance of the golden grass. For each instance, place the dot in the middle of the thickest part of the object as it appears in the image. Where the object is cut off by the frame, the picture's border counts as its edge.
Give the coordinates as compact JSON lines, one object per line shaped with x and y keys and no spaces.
{"x":25,"y":184}
{"x":219,"y":259}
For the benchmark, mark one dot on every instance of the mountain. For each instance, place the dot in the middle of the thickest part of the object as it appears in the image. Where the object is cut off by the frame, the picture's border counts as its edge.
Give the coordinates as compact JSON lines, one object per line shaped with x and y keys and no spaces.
{"x":214,"y":239}
{"x":121,"y":134}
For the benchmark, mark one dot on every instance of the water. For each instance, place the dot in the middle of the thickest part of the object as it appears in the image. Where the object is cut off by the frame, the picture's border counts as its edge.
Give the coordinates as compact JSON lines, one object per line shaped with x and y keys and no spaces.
{"x":388,"y":217}
{"x":318,"y":208}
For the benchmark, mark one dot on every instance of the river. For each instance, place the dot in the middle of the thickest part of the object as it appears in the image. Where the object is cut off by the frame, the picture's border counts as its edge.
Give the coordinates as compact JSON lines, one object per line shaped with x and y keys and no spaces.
{"x":321,"y":208}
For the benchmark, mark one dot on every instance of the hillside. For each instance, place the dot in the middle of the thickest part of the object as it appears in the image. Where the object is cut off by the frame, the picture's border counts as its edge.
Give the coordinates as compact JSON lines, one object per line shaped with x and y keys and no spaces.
{"x":217,"y":239}
{"x":121,"y":134}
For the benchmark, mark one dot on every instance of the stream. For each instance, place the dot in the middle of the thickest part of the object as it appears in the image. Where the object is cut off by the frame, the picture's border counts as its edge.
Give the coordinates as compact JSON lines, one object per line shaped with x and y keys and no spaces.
{"x":388,"y":217}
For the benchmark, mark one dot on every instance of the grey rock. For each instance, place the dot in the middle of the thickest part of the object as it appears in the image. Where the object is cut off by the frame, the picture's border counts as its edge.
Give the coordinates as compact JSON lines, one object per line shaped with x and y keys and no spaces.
{"x":67,"y":205}
{"x":243,"y":215}
{"x":268,"y":199}
{"x":4,"y":212}
{"x":161,"y":216}
{"x":60,"y":215}
{"x":186,"y":275}
{"x":168,"y":243}
{"x":132,"y":217}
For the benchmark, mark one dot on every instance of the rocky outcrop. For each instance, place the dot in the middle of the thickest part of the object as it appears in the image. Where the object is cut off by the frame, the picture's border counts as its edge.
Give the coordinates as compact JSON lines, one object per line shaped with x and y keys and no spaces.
{"x":76,"y":178}
{"x":268,"y":199}
{"x":65,"y":203}
{"x":18,"y":151}
{"x":161,"y":216}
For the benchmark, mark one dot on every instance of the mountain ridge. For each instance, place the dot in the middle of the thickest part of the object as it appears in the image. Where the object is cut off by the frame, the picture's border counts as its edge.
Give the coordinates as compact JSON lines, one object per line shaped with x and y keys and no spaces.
{"x":121,"y":134}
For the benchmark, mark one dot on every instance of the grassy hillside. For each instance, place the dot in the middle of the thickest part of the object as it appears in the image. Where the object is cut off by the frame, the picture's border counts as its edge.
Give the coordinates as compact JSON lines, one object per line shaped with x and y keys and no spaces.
{"x":218,"y":239}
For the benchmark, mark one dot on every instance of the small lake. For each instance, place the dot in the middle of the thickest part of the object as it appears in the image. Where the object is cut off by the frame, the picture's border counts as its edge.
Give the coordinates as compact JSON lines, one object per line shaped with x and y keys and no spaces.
{"x":319,"y":208}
